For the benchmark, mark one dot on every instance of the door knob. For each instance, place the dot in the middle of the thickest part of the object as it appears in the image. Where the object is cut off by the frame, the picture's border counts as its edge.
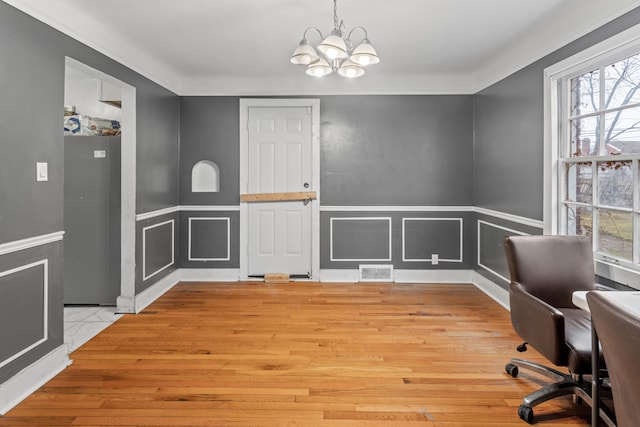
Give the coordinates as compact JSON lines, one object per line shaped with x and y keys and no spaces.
{"x":306,"y":185}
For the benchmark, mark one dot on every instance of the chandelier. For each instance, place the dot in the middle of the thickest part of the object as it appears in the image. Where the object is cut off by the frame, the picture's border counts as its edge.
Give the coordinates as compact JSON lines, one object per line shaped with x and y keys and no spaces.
{"x":335,"y":52}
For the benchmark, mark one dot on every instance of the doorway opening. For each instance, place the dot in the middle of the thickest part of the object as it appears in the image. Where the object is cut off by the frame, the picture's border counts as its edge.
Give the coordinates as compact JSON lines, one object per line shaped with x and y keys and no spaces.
{"x":106,"y":166}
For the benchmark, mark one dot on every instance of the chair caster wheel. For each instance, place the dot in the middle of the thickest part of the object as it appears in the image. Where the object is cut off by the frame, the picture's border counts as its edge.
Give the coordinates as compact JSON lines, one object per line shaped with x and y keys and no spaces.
{"x":526,"y":414}
{"x":511,"y":369}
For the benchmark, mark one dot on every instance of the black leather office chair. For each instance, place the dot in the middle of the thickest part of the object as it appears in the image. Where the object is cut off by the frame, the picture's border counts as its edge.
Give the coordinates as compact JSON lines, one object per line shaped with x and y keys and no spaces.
{"x":619,"y":332}
{"x":545,"y":271}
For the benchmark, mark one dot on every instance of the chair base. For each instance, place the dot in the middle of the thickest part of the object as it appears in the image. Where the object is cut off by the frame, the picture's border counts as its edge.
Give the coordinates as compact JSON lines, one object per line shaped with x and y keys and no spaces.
{"x":564,"y":385}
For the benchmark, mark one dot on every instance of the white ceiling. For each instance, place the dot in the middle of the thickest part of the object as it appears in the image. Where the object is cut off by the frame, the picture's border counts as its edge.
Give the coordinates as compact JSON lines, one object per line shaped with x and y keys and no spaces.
{"x":242,"y":47}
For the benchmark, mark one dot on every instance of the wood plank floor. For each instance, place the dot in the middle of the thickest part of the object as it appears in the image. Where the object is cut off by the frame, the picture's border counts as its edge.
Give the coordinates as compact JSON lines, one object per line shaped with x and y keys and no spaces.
{"x":299,"y":354}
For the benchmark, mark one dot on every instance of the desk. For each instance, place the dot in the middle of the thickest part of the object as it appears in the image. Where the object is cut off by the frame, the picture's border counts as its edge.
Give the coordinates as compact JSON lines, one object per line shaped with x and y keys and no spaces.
{"x":630,"y":300}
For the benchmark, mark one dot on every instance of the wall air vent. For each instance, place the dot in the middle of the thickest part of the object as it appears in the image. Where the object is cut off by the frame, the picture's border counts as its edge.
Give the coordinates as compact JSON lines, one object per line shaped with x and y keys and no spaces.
{"x":376,"y":273}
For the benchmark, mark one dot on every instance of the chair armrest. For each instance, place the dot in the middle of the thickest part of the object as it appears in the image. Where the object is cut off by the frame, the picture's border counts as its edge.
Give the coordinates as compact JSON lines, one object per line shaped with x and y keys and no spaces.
{"x":538,"y":323}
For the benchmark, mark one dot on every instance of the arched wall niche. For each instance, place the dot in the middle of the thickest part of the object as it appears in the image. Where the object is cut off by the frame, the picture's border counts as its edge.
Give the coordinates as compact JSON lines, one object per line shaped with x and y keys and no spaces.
{"x":205,"y":177}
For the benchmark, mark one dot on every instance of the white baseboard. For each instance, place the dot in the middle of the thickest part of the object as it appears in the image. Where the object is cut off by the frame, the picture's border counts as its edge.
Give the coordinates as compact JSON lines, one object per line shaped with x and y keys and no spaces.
{"x":25,"y":382}
{"x":209,"y":274}
{"x":495,"y":292}
{"x":432,"y":276}
{"x":339,"y":276}
{"x":401,"y":276}
{"x":155,"y":291}
{"x":149,"y":295}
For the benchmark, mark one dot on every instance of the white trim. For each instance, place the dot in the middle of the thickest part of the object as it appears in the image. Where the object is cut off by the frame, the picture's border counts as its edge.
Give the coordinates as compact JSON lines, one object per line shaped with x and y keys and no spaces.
{"x":432,"y":276}
{"x":128,"y":166}
{"x":478,"y":255}
{"x":473,"y":209}
{"x":186,"y":208}
{"x":144,"y":249}
{"x":396,"y":208}
{"x":567,"y":23}
{"x":152,"y":293}
{"x":157,"y":213}
{"x":461,"y":245}
{"x":314,"y":105}
{"x":363,"y":218}
{"x":209,"y":274}
{"x":325,"y":208}
{"x":618,"y":43}
{"x":128,"y":182}
{"x":31,"y":242}
{"x":610,"y":50}
{"x":104,"y":40}
{"x":198,"y":218}
{"x":208,"y":208}
{"x":495,"y":292}
{"x":27,"y":381}
{"x":339,"y":275}
{"x":510,"y":217}
{"x":45,"y":306}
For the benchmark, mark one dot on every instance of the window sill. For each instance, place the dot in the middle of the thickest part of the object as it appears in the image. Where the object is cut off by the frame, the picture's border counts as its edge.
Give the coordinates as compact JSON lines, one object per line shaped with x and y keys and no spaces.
{"x":618,"y":273}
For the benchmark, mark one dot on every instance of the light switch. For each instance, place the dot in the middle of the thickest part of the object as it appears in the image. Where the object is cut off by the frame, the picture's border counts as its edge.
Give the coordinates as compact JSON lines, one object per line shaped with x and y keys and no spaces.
{"x":99,"y":154}
{"x":42,"y":173}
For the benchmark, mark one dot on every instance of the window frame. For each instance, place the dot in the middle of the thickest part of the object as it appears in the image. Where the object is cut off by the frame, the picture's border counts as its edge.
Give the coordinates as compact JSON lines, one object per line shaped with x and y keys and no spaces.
{"x":557,"y":156}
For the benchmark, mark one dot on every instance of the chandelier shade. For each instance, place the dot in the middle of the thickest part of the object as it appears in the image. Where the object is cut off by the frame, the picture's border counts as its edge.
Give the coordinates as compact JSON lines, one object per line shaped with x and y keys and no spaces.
{"x":335,"y":52}
{"x":350,"y":69}
{"x":365,"y":54}
{"x":305,"y":54}
{"x":320,"y":68}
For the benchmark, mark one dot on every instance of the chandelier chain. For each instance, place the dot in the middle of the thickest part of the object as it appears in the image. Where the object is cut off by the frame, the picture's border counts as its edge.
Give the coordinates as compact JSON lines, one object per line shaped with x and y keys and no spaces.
{"x":335,"y":14}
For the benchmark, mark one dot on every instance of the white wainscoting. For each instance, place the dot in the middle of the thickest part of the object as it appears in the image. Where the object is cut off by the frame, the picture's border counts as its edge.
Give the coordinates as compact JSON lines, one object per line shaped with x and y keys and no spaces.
{"x":460,"y":221}
{"x":479,"y":254}
{"x":45,"y":306}
{"x":363,"y":218}
{"x":146,"y":276}
{"x":190,"y":238}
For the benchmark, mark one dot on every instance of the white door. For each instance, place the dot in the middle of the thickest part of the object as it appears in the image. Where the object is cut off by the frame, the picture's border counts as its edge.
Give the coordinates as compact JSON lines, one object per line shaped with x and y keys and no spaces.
{"x":279,"y":161}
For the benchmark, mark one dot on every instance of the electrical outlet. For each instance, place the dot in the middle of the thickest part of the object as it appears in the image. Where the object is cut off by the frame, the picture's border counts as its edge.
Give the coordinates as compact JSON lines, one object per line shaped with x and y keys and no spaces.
{"x":434,"y":259}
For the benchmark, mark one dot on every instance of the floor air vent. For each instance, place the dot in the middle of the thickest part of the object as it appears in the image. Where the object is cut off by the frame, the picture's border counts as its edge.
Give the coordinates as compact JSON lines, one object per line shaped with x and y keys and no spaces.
{"x":376,"y":273}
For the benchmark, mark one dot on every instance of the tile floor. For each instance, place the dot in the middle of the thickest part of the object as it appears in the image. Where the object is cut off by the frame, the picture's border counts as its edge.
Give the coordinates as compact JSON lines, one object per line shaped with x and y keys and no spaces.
{"x":83,"y":323}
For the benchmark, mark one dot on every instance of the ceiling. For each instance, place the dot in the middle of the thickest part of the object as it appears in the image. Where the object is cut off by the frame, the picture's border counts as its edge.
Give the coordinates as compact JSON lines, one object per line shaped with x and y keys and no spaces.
{"x":242,"y":47}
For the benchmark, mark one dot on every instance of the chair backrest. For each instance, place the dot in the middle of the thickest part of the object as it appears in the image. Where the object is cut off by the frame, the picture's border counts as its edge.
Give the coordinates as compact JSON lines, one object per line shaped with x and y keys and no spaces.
{"x":551,"y":267}
{"x":619,"y":332}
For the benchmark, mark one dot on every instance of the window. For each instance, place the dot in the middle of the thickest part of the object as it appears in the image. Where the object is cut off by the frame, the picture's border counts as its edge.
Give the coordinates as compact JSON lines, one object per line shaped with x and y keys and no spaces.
{"x":593,"y":122}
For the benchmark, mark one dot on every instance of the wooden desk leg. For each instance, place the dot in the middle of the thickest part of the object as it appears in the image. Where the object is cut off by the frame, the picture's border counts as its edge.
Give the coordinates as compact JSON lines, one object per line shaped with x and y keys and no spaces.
{"x":595,"y":378}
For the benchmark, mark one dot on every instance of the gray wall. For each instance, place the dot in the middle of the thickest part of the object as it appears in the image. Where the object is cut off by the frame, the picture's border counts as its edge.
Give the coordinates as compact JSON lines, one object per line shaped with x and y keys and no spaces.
{"x":396,"y":150}
{"x":374,"y":151}
{"x":31,"y":104}
{"x":508,"y":143}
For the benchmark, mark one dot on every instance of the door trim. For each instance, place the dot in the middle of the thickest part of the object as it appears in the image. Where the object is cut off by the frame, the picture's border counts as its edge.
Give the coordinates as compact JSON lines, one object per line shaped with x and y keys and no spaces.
{"x":125,"y":302}
{"x":314,"y":105}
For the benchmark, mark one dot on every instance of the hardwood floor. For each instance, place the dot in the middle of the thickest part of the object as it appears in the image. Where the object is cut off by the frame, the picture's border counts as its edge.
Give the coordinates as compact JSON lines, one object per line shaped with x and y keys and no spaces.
{"x":299,"y":354}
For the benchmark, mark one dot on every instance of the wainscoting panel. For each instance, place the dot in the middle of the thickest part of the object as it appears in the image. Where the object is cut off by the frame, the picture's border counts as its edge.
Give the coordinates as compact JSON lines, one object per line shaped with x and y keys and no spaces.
{"x":158,"y":253}
{"x":422,"y":238}
{"x":490,"y":252}
{"x":360,"y":239}
{"x":203,"y":231}
{"x":31,"y":295}
{"x":209,"y":238}
{"x":405,"y":236}
{"x":27,"y":288}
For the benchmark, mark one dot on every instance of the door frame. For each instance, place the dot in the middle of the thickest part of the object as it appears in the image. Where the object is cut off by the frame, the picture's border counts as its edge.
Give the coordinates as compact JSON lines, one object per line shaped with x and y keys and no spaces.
{"x":125,"y":303}
{"x":314,"y":106}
